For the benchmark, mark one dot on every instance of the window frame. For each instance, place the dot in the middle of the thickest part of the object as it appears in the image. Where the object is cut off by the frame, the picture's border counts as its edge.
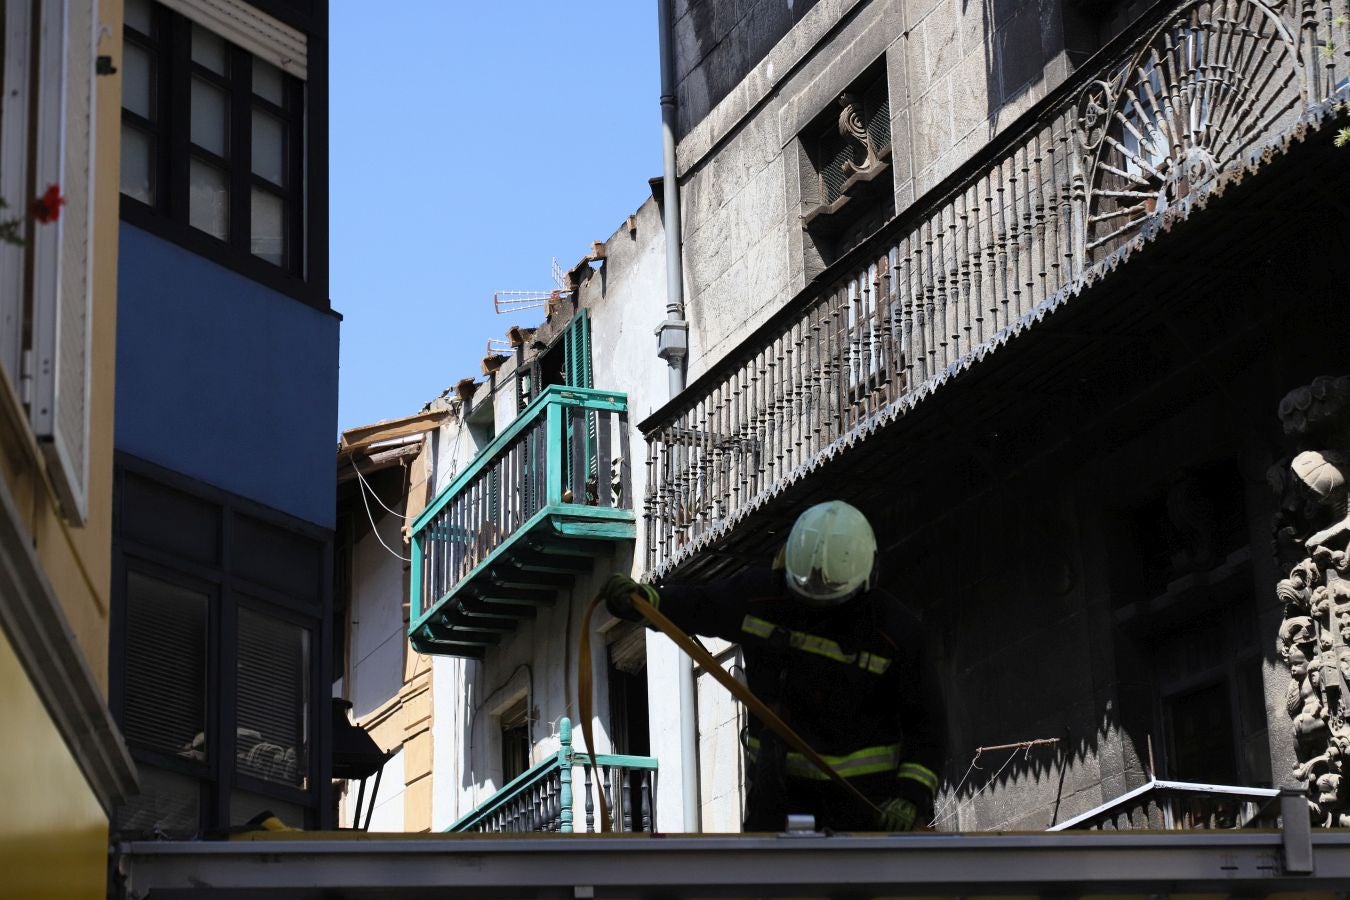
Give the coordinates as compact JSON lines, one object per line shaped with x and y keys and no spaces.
{"x":302,"y":273}
{"x":221,"y":776}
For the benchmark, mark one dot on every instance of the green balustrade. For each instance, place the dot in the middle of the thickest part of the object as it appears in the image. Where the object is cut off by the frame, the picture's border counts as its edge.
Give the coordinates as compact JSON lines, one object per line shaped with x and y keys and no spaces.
{"x":542,"y":798}
{"x":530,"y":514}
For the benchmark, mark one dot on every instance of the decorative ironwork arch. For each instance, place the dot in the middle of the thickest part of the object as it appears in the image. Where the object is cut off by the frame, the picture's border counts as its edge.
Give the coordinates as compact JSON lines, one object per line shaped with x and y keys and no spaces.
{"x":1204,"y":88}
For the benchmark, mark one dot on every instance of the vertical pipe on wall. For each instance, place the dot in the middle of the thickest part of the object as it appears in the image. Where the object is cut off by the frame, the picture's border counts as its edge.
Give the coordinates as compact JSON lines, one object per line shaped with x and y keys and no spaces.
{"x":672,"y":345}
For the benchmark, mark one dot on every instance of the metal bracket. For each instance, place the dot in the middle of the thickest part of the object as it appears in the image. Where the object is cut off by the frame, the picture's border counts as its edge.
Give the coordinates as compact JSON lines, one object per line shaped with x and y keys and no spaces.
{"x":801,"y":825}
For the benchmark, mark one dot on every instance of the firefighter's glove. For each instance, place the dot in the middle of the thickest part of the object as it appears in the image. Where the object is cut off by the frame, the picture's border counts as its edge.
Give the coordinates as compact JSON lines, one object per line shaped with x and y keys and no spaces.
{"x":618,"y":594}
{"x":898,"y":815}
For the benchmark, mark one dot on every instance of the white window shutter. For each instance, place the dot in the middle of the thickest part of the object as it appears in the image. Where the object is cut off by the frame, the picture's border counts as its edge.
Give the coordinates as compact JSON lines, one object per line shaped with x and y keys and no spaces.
{"x":62,"y":301}
{"x":14,"y":177}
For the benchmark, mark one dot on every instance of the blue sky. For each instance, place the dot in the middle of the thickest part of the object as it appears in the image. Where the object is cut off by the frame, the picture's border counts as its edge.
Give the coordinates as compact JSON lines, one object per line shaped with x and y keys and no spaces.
{"x":468,"y":149}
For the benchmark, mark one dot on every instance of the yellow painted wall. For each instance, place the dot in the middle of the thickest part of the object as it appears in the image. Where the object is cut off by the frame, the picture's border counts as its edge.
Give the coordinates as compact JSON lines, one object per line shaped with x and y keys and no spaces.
{"x":78,"y":560}
{"x":53,"y":833}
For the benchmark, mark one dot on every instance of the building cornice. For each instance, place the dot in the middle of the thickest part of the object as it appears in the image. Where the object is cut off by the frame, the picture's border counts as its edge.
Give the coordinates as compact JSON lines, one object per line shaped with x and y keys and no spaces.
{"x":36,"y":626}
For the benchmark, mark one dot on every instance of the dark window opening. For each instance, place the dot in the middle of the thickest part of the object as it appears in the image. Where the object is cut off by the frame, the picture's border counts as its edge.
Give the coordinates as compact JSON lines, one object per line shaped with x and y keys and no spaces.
{"x":515,"y":740}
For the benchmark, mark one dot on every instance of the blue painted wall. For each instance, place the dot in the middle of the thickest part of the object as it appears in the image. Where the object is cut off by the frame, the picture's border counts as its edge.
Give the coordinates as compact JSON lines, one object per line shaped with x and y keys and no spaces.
{"x":224,"y":380}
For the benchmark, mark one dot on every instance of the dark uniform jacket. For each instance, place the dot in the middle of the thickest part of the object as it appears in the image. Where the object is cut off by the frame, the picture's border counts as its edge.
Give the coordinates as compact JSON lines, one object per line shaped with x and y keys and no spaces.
{"x":852,"y":681}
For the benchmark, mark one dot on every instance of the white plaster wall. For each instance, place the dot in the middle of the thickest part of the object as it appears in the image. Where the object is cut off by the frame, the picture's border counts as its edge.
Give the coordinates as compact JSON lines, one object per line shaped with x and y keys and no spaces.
{"x":721,"y":765}
{"x":377,"y":635}
{"x":388,"y":814}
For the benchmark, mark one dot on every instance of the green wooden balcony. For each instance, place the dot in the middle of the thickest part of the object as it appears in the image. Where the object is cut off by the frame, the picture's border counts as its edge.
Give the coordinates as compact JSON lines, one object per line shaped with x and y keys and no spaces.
{"x":544,"y":798}
{"x":535,"y":509}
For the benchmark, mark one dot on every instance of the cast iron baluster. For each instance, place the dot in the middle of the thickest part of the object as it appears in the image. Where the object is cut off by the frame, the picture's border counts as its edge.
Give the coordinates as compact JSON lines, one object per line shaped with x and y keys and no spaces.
{"x":853,"y":315}
{"x":1028,"y":252}
{"x":817,"y":385}
{"x":609,"y":798}
{"x":969,"y":308}
{"x":1052,"y":211}
{"x":757,"y":415}
{"x":990,"y":251}
{"x":839,"y":362}
{"x":1002,"y":246}
{"x":648,"y":505}
{"x":894,"y":323}
{"x":877,"y":276}
{"x":906,"y":310}
{"x":590,"y":801}
{"x":1039,"y":217}
{"x":792,"y":437}
{"x":924,"y":300}
{"x":937,"y":271}
{"x":779,"y":415}
{"x":953,"y":268}
{"x":646,"y":794}
{"x":1015,"y":238}
{"x":977,"y":275}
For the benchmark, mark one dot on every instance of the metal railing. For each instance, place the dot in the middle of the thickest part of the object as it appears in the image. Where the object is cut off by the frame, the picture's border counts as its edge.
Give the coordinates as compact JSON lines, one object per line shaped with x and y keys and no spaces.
{"x":567,"y":449}
{"x":1195,"y":94}
{"x":543,"y":798}
{"x":1177,"y":805}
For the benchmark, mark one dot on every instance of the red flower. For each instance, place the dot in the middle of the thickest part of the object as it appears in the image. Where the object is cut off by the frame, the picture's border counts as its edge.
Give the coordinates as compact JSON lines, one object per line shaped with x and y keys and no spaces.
{"x":47,"y":208}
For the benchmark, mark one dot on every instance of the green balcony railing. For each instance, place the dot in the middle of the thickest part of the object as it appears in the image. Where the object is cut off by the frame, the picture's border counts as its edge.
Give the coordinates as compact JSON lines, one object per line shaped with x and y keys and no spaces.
{"x":544,"y":798}
{"x":531,"y":513}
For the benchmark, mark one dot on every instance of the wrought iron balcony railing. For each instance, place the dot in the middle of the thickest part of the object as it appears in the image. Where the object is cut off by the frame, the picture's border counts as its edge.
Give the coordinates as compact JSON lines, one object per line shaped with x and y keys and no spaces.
{"x":543,"y":799}
{"x":1177,"y":805}
{"x":533,"y":510}
{"x":1197,"y":96}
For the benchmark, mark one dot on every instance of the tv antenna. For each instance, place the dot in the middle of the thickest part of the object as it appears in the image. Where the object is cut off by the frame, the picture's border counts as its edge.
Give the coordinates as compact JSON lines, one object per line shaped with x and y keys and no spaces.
{"x":517,"y":301}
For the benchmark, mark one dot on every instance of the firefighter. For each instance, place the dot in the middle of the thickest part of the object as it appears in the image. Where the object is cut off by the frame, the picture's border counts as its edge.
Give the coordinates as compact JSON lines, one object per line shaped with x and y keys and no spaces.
{"x":838,"y":659}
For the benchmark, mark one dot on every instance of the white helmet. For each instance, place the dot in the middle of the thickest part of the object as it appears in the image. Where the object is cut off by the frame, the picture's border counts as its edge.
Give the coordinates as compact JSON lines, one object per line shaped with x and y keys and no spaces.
{"x":829,"y":554}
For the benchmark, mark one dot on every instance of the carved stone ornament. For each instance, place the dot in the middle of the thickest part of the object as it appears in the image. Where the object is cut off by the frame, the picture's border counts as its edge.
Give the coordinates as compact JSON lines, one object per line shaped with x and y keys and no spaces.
{"x":853,"y":126}
{"x":1312,"y":529}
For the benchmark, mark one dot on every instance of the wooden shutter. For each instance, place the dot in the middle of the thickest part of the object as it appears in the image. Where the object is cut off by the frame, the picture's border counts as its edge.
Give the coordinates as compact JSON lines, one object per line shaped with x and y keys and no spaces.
{"x":63,"y":250}
{"x":577,"y":350}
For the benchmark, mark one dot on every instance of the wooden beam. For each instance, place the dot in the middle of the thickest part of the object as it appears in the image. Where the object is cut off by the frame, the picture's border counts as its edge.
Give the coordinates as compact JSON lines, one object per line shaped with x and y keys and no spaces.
{"x":392,"y":429}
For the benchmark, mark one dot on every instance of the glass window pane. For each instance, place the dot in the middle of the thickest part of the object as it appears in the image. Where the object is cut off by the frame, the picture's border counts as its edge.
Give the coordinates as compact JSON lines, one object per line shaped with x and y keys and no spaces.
{"x":269,"y":148}
{"x":268,"y":82}
{"x":138,"y":81}
{"x":165,"y":666}
{"x":138,"y":164}
{"x":166,"y":802}
{"x":268,"y":224}
{"x":209,"y":199}
{"x":137,"y":14}
{"x":273,"y":685}
{"x":210,"y":118}
{"x":210,"y":50}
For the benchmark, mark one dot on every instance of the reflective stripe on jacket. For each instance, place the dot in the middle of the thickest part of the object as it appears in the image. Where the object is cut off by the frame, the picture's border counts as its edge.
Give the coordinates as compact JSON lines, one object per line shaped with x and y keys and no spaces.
{"x":811,"y":643}
{"x":867,"y":761}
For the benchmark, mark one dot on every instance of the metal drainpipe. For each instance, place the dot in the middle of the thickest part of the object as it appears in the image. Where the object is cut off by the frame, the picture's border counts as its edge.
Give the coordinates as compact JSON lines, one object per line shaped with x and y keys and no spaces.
{"x":672,"y":339}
